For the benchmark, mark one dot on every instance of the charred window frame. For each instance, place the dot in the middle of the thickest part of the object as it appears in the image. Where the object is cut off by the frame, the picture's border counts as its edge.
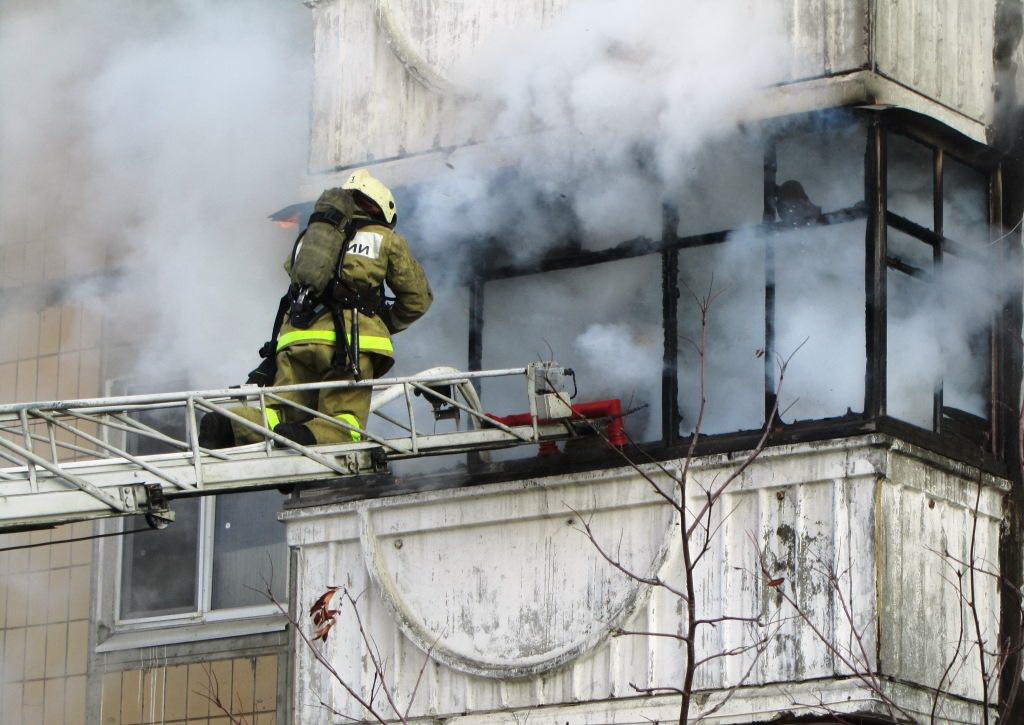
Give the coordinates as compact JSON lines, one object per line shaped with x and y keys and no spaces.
{"x":974,"y":438}
{"x":985,"y":434}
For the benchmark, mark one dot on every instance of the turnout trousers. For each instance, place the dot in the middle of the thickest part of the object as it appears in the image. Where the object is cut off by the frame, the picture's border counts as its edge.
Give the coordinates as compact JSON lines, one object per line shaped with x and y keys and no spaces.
{"x":311,"y":363}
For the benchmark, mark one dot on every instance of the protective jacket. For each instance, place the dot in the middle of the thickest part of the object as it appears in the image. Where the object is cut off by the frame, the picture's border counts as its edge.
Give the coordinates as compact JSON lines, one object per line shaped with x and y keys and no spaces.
{"x":376,"y":254}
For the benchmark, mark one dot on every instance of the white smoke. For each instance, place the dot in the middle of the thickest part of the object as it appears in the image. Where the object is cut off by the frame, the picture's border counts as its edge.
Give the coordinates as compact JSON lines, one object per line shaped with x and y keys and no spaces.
{"x":158,"y":136}
{"x":609,"y":112}
{"x":606,"y":112}
{"x":155,"y":138}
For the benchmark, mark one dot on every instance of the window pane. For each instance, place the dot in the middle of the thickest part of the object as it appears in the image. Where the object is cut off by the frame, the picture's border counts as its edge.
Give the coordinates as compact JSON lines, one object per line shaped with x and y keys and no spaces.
{"x":158,"y":568}
{"x":828,"y":166}
{"x":965,"y":203}
{"x":913,"y":355}
{"x":248,"y":550}
{"x":969,"y":299}
{"x":724,"y":188}
{"x":733,"y":374}
{"x":819,"y":297}
{"x":903,"y":249}
{"x":909,"y":180}
{"x":970,"y":292}
{"x":604,"y":321}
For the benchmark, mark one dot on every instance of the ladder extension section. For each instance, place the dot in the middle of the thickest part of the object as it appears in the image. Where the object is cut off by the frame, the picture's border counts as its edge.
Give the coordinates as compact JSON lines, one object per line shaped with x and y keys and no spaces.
{"x":79,"y":459}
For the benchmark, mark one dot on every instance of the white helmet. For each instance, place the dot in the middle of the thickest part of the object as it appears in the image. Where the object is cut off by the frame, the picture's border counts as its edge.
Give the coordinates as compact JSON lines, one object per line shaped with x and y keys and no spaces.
{"x":362,"y":181}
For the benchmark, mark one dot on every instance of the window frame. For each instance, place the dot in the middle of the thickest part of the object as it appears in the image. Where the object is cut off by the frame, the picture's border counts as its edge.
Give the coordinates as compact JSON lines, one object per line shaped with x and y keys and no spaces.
{"x":204,"y":612}
{"x":1003,"y":389}
{"x":266,"y":617}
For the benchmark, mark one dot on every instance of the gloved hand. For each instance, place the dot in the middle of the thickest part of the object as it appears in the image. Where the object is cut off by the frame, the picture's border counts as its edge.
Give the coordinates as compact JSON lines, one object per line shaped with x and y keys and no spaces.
{"x":263,"y":375}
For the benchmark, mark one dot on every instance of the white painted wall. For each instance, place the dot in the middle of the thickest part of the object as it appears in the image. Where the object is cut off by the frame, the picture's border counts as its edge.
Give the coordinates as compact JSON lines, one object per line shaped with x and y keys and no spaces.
{"x":384,"y":69}
{"x":519,"y":606}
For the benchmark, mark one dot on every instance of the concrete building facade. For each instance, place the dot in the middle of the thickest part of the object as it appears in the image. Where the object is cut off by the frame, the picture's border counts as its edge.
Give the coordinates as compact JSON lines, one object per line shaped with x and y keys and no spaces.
{"x":835,"y":550}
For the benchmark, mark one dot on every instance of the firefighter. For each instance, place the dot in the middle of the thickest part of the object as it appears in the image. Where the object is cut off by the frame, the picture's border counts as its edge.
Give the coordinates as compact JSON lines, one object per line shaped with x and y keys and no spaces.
{"x":374,"y":254}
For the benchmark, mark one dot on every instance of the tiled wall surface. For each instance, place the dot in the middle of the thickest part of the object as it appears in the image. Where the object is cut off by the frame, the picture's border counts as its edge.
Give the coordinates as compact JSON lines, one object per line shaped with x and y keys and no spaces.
{"x":44,"y":598}
{"x":184,"y":693}
{"x":52,"y":348}
{"x":48,"y":349}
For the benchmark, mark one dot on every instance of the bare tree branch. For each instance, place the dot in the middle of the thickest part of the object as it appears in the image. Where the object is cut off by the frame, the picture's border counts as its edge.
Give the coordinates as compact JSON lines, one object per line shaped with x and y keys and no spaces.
{"x":651,"y":581}
{"x":973,"y":606}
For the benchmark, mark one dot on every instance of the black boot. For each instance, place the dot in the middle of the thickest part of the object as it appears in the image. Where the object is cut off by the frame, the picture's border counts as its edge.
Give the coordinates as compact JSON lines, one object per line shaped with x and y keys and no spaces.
{"x":215,"y":431}
{"x":296,"y":432}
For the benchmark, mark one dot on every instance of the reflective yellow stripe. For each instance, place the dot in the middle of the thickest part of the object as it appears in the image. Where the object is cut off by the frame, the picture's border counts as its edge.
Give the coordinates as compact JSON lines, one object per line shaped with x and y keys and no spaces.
{"x":352,"y":421}
{"x":375,"y":343}
{"x":272,"y":418}
{"x":290,"y":338}
{"x":369,"y":343}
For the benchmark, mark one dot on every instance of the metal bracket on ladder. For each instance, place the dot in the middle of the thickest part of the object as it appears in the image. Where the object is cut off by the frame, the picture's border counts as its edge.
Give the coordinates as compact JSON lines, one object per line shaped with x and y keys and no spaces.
{"x":76,"y":460}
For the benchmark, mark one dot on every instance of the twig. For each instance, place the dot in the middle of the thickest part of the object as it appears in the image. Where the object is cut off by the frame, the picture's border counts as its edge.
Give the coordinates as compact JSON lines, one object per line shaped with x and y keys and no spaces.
{"x":655,"y":581}
{"x":863,"y":674}
{"x":212,"y":695}
{"x":973,"y":606}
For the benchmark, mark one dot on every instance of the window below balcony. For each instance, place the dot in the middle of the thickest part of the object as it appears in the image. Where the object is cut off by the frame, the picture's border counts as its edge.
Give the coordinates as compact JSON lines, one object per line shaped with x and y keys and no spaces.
{"x":212,"y":564}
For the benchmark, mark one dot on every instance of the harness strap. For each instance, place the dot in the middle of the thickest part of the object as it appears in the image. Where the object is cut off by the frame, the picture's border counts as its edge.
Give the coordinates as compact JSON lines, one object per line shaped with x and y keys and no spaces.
{"x":330,"y":216}
{"x":345,"y":349}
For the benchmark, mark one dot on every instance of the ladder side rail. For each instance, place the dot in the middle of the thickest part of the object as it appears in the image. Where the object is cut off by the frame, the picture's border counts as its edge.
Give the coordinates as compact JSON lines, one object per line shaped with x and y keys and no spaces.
{"x":307,"y":452}
{"x":124,"y":402}
{"x":114,"y":485}
{"x":71,"y":478}
{"x":410,"y":409}
{"x":192,"y":431}
{"x":334,"y":421}
{"x":474,"y":413}
{"x":141,"y":463}
{"x":140,"y":428}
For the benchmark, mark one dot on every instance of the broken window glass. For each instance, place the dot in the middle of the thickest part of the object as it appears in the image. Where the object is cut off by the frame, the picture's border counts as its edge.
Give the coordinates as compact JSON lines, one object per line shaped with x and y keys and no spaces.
{"x":819,"y":319}
{"x":603,"y":321}
{"x":733,"y":369}
{"x":723,"y":186}
{"x":820,"y":171}
{"x":971,"y":294}
{"x":913,"y":360}
{"x":965,"y":203}
{"x":909,"y":180}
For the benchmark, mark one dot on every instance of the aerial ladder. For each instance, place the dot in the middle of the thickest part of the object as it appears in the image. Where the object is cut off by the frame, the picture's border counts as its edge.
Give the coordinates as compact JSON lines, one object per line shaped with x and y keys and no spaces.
{"x":78,"y":460}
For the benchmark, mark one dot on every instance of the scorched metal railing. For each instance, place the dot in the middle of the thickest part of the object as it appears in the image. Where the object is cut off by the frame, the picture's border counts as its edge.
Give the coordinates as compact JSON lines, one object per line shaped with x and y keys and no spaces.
{"x":75,"y":460}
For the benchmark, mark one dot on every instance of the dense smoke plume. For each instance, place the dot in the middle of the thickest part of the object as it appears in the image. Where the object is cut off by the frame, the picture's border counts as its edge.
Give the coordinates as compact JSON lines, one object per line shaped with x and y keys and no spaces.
{"x":154,"y":138}
{"x":609,"y":112}
{"x":616,"y":109}
{"x":160,"y":136}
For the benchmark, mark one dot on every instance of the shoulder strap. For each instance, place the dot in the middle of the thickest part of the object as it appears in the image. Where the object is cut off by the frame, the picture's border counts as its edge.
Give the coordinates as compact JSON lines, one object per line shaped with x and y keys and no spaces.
{"x":330,"y":216}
